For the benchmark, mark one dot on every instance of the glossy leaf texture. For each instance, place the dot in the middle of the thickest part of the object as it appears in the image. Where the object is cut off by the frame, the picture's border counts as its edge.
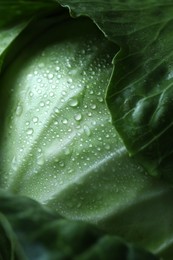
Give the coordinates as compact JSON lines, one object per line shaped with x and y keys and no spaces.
{"x":29,"y":231}
{"x":58,"y":145}
{"x":140,"y":93}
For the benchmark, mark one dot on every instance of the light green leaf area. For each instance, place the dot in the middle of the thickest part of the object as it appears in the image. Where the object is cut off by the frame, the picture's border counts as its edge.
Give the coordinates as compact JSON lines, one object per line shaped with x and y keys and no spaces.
{"x":53,"y":108}
{"x":58,"y":145}
{"x":140,"y":92}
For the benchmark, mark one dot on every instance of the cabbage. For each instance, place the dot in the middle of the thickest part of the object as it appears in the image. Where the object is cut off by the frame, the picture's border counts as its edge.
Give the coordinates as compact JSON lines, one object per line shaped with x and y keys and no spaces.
{"x":86,"y":129}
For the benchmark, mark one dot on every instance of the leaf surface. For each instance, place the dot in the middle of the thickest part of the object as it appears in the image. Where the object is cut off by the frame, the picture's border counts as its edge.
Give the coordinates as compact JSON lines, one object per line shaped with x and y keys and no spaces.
{"x":29,"y":231}
{"x":140,"y":92}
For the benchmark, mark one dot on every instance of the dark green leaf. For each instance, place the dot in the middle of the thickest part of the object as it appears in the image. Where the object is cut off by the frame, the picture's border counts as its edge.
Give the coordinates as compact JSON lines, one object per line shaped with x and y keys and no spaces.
{"x":14,"y":11}
{"x":29,"y":231}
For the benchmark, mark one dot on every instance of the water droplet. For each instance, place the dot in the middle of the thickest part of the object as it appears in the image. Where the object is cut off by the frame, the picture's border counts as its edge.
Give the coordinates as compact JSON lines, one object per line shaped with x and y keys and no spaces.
{"x":64,"y":121}
{"x":29,"y":131}
{"x":31,"y":94}
{"x":14,"y":163}
{"x":87,"y":130}
{"x":50,"y":76}
{"x":35,"y":119}
{"x":57,"y":68}
{"x":73,"y":72}
{"x":19,"y":110}
{"x":78,"y":117}
{"x":64,"y":93}
{"x":42,"y":104}
{"x":100,"y":99}
{"x":61,"y":164}
{"x":73,"y":102}
{"x":40,"y":159}
{"x":108,"y":147}
{"x":93,"y":106}
{"x":41,"y":65}
{"x":39,"y":80}
{"x":56,"y":110}
{"x":51,"y":94}
{"x":69,"y":81}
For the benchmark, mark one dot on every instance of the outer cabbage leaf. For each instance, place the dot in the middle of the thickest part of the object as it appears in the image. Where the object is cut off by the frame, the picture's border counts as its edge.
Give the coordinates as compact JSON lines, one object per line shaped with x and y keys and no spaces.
{"x":140,"y":93}
{"x":15,"y":16}
{"x":15,"y":11}
{"x":29,"y":231}
{"x":58,"y":145}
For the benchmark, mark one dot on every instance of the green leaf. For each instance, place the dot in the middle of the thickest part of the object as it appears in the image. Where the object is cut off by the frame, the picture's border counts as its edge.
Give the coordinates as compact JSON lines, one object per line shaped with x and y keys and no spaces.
{"x":35,"y":233}
{"x":9,"y":246}
{"x":140,"y":92}
{"x":14,"y":18}
{"x":8,"y":35}
{"x":14,"y":11}
{"x":53,"y":106}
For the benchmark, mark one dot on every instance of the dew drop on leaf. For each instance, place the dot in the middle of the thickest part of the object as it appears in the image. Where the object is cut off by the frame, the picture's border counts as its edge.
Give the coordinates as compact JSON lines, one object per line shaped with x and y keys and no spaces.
{"x":108,"y":147}
{"x":69,"y":81}
{"x":42,"y":104}
{"x":19,"y":110}
{"x":73,"y":102}
{"x":61,"y":164}
{"x":29,"y":131}
{"x":50,"y":76}
{"x":14,"y":164}
{"x":41,"y":65}
{"x":40,"y":159}
{"x":35,"y":119}
{"x":51,"y":94}
{"x":64,"y":121}
{"x":87,"y":130}
{"x":78,"y":117}
{"x":56,"y":110}
{"x":93,"y":106}
{"x":57,"y":68}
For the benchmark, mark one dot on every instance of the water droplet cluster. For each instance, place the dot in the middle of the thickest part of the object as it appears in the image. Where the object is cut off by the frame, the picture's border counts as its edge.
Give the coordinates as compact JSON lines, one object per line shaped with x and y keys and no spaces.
{"x":60,"y":128}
